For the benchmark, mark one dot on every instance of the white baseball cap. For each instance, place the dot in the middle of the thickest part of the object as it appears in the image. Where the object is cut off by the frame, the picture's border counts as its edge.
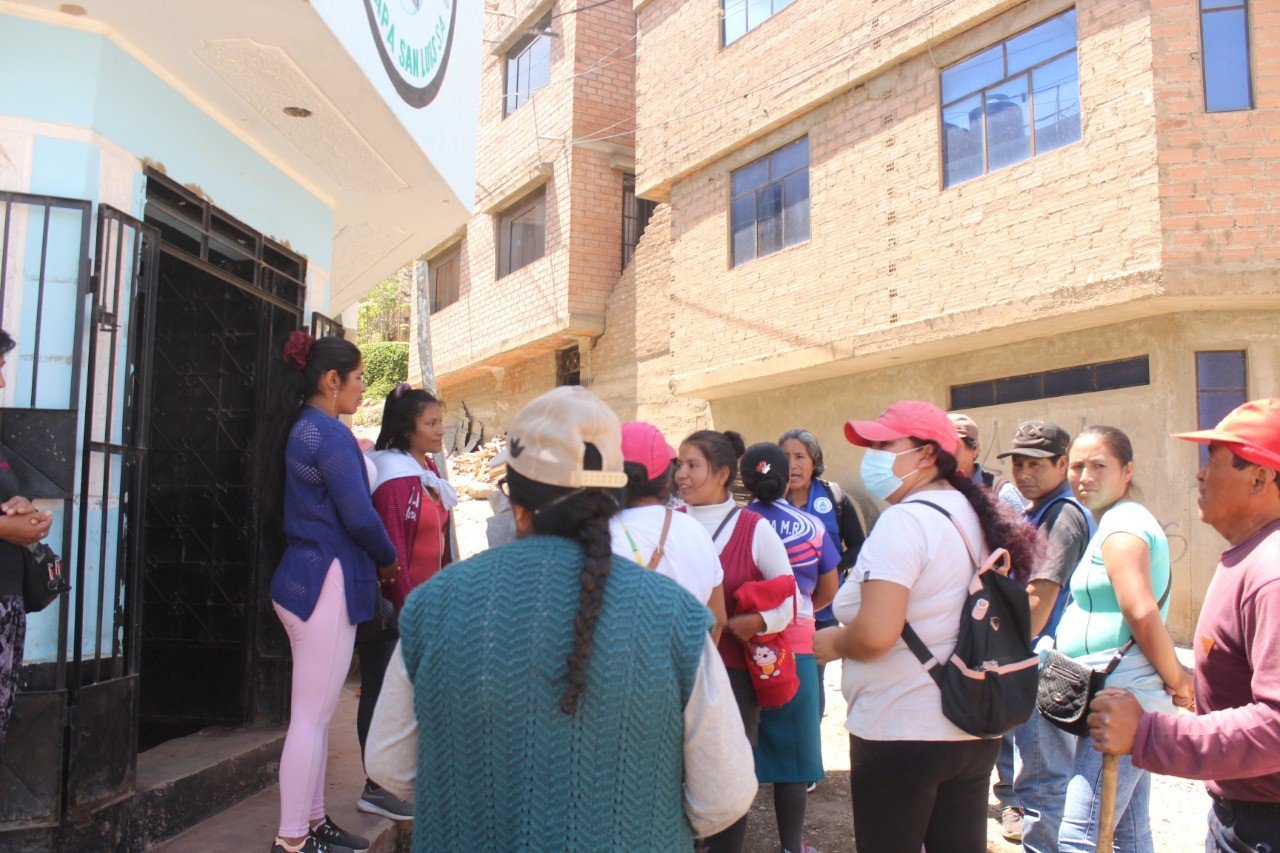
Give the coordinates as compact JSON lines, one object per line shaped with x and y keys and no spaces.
{"x":548,"y":439}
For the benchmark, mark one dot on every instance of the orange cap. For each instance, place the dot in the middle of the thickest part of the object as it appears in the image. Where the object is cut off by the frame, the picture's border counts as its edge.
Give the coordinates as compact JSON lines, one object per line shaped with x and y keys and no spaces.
{"x":1252,"y":432}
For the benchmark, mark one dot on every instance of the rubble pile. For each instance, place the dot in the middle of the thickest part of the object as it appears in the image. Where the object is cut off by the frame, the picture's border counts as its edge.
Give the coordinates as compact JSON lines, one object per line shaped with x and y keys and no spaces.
{"x":469,"y":472}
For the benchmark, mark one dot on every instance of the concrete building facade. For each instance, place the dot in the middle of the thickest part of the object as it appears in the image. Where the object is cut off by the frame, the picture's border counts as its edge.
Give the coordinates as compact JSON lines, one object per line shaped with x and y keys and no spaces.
{"x":1021,"y":209}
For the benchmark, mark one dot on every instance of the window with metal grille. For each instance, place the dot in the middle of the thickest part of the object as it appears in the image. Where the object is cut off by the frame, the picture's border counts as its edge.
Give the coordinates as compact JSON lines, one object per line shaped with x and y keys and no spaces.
{"x":769,"y":209}
{"x":445,"y":270}
{"x":743,"y":16}
{"x":1012,"y":101}
{"x":1083,"y":379}
{"x":636,"y":213}
{"x":1224,"y":39}
{"x":528,"y":66}
{"x":1220,"y":387}
{"x":522,"y":232}
{"x":569,"y":366}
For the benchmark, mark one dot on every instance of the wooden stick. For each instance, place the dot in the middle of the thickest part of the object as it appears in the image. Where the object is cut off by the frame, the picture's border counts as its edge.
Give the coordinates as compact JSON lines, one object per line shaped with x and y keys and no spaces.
{"x":1107,"y":817}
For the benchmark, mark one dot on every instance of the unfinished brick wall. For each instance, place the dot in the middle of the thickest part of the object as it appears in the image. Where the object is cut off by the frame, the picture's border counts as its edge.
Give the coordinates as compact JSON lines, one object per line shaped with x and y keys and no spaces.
{"x":1219,"y":172}
{"x":559,"y":298}
{"x":895,"y":260}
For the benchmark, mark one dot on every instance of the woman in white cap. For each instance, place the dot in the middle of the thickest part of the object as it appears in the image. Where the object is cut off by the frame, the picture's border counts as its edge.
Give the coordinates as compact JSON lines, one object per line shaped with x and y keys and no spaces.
{"x":548,"y":694}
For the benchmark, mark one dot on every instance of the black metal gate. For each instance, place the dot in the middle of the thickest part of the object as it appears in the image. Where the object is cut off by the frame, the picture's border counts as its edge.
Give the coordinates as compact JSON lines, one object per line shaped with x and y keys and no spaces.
{"x":44,"y":283}
{"x":102,"y":735}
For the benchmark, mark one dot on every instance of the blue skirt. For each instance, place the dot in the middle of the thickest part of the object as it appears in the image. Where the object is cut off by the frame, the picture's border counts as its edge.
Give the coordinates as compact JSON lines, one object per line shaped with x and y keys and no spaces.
{"x":789,"y":747}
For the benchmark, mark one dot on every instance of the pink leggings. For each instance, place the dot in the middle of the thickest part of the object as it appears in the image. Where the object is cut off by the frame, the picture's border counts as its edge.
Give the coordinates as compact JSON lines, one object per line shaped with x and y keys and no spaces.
{"x":322,"y":647}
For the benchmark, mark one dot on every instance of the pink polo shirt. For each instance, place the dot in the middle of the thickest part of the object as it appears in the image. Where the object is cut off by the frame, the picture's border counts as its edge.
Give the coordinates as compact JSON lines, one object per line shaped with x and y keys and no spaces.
{"x":1233,"y":742}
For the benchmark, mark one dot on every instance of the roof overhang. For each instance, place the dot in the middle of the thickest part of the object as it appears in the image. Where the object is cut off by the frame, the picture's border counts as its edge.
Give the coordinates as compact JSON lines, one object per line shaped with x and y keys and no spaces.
{"x":388,"y":141}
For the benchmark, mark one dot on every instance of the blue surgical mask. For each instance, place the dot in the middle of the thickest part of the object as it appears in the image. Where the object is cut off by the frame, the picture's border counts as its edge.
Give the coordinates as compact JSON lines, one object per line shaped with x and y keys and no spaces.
{"x":877,"y":472}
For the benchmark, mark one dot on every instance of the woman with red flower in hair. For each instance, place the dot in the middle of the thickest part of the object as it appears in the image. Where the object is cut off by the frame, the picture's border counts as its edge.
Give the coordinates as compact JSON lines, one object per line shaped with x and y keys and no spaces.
{"x":313,"y":482}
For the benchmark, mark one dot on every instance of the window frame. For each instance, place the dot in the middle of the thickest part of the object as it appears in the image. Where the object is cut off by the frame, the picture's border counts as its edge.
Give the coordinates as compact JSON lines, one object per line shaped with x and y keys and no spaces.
{"x":1243,"y":6}
{"x":724,"y":18}
{"x":1201,"y":389}
{"x":513,"y":56}
{"x":452,"y":253}
{"x":644,"y":209}
{"x":1097,"y":383}
{"x":507,"y":218}
{"x":1006,"y":78}
{"x":755,"y":191}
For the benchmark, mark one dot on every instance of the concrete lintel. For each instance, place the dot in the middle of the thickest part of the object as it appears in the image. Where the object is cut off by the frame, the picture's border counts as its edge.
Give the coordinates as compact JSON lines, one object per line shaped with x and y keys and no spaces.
{"x":504,"y":196}
{"x":519,"y":27}
{"x":540,"y":340}
{"x":1147,"y":294}
{"x":446,"y":243}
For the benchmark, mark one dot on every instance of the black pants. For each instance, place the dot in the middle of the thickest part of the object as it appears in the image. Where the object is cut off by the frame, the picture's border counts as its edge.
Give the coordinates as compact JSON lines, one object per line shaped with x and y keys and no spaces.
{"x":911,"y":793}
{"x":1236,"y":829}
{"x":374,"y":657}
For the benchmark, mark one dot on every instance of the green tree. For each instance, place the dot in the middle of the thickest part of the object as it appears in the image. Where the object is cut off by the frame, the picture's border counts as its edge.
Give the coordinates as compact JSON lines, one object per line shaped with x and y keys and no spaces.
{"x":384,"y":313}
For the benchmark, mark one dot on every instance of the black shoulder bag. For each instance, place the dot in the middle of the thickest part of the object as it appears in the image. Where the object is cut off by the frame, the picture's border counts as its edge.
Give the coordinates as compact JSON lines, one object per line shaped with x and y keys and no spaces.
{"x":42,"y":577}
{"x":1067,"y":687}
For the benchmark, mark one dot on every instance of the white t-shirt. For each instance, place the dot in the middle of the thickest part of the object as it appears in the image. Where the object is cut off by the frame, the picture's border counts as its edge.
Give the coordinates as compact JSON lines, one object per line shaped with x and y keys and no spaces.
{"x":688,"y":556}
{"x":892,"y":697}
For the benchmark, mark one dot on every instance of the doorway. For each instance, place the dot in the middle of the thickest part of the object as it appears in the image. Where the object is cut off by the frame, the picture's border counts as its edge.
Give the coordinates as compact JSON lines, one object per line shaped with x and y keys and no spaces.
{"x":225,"y":300}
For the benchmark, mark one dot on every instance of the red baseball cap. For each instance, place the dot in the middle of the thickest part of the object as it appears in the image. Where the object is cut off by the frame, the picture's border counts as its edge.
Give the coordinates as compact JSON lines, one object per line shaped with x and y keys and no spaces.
{"x":1252,"y":431}
{"x":913,"y":418}
{"x":644,"y":443}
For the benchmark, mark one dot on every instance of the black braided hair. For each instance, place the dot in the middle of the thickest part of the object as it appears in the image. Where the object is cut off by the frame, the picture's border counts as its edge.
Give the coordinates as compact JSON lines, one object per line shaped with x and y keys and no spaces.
{"x":1001,"y":526}
{"x":582,"y":515}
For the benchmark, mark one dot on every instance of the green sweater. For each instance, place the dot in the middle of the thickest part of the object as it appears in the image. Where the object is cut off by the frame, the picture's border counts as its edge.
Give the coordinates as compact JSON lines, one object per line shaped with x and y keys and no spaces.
{"x":500,"y":766}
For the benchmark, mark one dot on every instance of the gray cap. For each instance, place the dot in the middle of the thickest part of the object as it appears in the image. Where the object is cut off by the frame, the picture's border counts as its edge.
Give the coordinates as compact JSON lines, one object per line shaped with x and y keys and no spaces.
{"x":1039,"y":439}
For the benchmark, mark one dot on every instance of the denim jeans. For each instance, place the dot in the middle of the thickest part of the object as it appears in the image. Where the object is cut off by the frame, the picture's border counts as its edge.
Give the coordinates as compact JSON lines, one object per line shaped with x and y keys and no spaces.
{"x":1046,"y":757}
{"x":1084,"y":802}
{"x":1004,"y":790}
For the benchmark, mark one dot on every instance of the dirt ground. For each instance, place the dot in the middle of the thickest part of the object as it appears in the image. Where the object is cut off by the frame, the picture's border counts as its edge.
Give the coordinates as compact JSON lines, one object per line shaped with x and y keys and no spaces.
{"x":1178,"y":806}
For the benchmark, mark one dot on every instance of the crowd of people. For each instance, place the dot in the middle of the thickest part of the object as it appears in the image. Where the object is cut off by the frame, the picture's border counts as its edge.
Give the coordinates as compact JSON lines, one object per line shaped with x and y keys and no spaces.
{"x":648,"y":648}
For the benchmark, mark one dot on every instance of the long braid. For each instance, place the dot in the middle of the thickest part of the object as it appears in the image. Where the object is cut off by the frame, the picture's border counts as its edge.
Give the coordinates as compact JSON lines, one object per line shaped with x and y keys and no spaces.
{"x":598,"y":559}
{"x":582,"y":515}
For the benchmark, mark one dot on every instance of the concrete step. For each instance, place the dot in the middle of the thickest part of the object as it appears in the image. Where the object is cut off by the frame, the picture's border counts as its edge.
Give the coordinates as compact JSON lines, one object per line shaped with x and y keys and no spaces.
{"x":251,"y":823}
{"x":183,"y":781}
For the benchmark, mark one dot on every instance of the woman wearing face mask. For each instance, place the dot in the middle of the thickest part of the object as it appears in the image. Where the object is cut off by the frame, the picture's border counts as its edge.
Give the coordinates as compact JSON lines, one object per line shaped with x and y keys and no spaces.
{"x":789,"y":750}
{"x":749,"y":550}
{"x":313,"y":480}
{"x":917,"y":780}
{"x":414,"y":501}
{"x":1118,"y":591}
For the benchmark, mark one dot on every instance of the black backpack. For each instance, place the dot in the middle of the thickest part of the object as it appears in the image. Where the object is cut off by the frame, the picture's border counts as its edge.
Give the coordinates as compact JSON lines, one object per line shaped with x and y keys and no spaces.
{"x":989,"y":683}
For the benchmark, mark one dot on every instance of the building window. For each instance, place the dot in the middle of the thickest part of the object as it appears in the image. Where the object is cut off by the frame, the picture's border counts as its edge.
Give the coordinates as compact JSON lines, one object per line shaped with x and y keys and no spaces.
{"x":636,"y":213}
{"x":528,"y":66}
{"x":446,"y":275}
{"x":1224,"y":37}
{"x":770,"y":205}
{"x":569,"y":366}
{"x":1012,"y":101}
{"x":1220,"y":388}
{"x":1083,"y":379}
{"x":743,"y":16}
{"x":522,"y":232}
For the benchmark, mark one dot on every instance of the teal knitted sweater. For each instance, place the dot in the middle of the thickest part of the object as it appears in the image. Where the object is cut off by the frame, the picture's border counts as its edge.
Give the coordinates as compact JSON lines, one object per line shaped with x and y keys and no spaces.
{"x":500,"y":766}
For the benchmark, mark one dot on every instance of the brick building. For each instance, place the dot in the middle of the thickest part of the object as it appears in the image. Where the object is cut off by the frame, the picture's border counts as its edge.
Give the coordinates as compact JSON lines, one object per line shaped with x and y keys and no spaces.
{"x":1045,"y":209}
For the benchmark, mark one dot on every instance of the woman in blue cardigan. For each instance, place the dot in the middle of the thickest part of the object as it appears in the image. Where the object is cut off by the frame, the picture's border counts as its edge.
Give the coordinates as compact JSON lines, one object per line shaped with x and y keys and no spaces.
{"x":313,"y":481}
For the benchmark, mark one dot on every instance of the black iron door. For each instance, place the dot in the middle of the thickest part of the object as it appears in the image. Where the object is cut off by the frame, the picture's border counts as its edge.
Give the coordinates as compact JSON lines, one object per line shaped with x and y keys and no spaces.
{"x":199,"y":567}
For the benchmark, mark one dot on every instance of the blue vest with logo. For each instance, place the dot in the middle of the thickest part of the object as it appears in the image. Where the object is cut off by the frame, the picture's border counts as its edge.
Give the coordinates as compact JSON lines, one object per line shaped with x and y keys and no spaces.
{"x":500,"y":766}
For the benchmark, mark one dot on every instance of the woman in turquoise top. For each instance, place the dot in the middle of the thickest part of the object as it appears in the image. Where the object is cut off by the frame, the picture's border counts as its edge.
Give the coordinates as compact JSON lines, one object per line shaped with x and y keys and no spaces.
{"x":1118,"y":590}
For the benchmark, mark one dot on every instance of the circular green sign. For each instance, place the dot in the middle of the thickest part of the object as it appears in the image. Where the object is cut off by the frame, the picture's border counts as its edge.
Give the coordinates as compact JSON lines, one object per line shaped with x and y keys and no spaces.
{"x":413,"y":39}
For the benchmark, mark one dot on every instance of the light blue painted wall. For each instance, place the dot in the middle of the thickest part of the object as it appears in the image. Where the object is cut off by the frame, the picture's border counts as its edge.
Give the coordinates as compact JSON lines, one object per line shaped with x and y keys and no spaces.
{"x":81,"y":79}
